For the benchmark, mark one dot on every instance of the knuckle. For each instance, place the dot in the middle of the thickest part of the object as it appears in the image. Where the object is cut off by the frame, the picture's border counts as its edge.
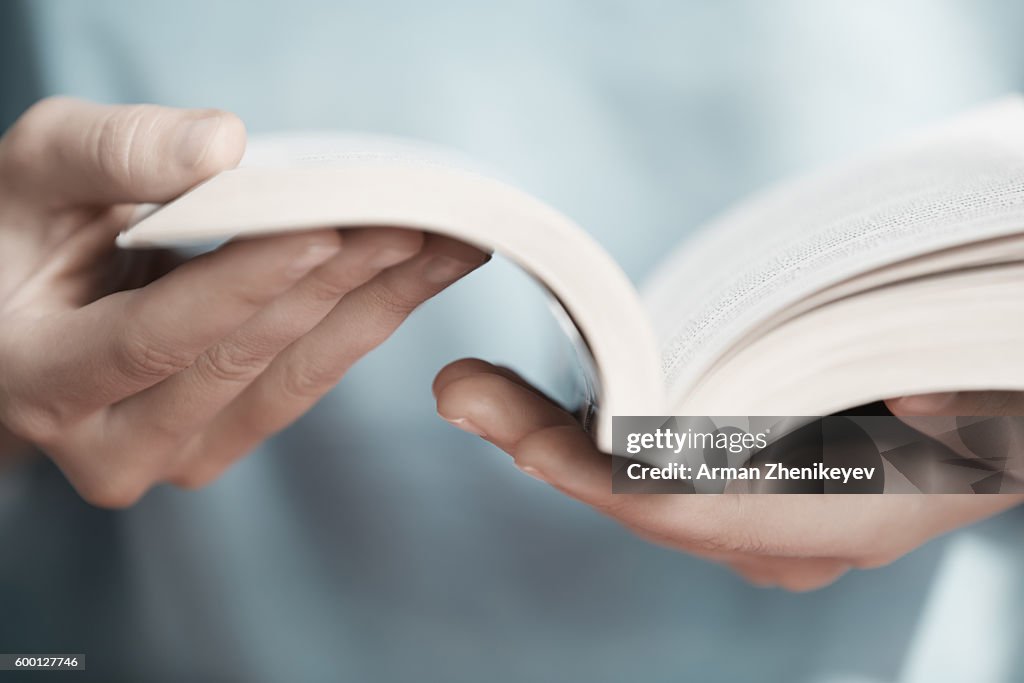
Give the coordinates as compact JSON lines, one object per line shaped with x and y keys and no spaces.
{"x":749,"y":540}
{"x":115,"y":139}
{"x":252,"y":298}
{"x":390,"y":301}
{"x":308,"y":379}
{"x":328,"y":287}
{"x":231,"y":362}
{"x":742,"y":541}
{"x":146,"y":359}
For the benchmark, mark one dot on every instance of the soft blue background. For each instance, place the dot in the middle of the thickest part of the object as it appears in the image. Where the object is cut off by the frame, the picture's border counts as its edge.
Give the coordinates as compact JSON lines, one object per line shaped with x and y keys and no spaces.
{"x":350,"y":548}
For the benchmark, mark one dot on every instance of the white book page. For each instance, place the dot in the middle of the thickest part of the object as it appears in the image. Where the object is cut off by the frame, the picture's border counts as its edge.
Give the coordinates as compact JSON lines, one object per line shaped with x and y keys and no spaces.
{"x":301,"y":182}
{"x":953,"y":184}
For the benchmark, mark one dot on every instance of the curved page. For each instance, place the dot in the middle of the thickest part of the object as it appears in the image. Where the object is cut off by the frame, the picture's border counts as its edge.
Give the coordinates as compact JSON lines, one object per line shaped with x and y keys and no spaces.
{"x":304,"y":183}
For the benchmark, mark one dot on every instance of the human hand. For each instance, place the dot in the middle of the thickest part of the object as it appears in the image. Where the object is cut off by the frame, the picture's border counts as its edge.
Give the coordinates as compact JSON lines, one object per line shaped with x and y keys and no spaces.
{"x":798,"y":542}
{"x":935,"y":415}
{"x":128,"y":371}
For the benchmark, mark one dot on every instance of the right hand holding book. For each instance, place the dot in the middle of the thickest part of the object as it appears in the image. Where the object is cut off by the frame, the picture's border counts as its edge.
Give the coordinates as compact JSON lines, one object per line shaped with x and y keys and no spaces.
{"x":797,"y":542}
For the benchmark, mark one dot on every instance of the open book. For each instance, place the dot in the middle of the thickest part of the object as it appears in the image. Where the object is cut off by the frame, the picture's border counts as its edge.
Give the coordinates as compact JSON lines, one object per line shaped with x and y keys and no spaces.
{"x":899,"y":273}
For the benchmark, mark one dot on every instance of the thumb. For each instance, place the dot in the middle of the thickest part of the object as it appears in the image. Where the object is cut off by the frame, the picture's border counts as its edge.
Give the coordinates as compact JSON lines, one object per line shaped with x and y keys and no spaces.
{"x":959,"y":403}
{"x":66,"y":153}
{"x":935,"y":415}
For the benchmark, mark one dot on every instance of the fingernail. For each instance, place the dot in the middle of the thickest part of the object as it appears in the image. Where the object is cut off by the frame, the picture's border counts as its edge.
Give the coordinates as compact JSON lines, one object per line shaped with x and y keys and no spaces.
{"x":445,"y":269}
{"x":533,"y":472}
{"x":195,"y":138}
{"x":927,"y":404}
{"x":312,"y":257}
{"x":466,"y":426}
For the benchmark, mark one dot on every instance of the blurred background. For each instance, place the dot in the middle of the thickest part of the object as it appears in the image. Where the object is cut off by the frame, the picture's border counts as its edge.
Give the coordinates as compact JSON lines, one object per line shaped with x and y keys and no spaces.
{"x":328,"y":555}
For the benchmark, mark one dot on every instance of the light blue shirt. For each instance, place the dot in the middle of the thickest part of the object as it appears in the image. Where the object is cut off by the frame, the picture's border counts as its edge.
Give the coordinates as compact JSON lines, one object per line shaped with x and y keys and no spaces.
{"x":373,"y":542}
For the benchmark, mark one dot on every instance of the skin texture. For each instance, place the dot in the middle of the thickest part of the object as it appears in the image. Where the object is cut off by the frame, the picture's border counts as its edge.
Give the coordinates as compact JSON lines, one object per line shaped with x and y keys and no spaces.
{"x":796,"y":542}
{"x":129,"y":368}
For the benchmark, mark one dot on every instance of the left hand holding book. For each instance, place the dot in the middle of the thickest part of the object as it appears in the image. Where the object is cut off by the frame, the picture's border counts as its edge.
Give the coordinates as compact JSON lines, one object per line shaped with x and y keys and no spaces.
{"x":128,"y":368}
